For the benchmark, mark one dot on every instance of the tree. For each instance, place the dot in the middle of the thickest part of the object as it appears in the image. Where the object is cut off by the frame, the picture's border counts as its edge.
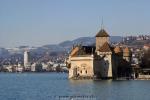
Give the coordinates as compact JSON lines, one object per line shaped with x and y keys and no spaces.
{"x":146,"y":59}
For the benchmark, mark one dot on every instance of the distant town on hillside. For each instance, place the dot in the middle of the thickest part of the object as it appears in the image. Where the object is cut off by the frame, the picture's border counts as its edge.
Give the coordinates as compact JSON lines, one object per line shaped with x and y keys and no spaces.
{"x":52,"y":58}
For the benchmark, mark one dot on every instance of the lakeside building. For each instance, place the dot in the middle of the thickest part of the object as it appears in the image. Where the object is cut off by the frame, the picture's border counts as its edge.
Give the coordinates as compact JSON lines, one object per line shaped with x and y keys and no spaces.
{"x":27,"y":64}
{"x":101,"y":61}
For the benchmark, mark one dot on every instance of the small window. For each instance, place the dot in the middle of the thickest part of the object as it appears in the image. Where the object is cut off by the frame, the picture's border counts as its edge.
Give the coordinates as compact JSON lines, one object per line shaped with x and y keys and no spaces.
{"x":86,"y":71}
{"x":81,"y":71}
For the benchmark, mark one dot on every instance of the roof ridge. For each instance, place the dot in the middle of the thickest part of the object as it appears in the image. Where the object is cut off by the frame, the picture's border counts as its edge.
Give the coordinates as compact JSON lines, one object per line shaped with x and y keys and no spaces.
{"x":102,"y":33}
{"x":105,"y":47}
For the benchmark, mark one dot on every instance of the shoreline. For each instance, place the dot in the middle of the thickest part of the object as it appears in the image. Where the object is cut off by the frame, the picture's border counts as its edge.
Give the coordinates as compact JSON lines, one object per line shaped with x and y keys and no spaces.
{"x":94,"y":79}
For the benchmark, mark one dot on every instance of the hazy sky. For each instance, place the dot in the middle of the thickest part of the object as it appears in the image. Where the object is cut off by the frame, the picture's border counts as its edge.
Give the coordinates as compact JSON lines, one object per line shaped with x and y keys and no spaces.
{"x":38,"y":22}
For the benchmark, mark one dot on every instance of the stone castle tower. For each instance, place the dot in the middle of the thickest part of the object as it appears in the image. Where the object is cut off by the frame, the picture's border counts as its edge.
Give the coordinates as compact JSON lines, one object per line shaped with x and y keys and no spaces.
{"x":101,"y":38}
{"x":127,"y":54}
{"x":104,"y":51}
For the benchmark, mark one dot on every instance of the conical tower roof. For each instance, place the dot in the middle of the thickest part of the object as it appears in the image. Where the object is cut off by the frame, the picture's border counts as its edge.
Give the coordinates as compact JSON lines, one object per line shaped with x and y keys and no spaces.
{"x":117,"y":49}
{"x":102,"y":33}
{"x":105,"y":48}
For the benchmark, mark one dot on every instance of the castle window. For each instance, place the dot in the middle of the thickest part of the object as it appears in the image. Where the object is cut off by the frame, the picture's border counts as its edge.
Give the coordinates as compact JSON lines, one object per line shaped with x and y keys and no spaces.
{"x":81,"y":71}
{"x":83,"y":65}
{"x":86,"y":71}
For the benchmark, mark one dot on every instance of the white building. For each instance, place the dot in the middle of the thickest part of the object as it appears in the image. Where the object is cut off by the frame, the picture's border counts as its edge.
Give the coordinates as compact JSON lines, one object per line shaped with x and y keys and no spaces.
{"x":27,"y":59}
{"x":19,"y":68}
{"x":33,"y":67}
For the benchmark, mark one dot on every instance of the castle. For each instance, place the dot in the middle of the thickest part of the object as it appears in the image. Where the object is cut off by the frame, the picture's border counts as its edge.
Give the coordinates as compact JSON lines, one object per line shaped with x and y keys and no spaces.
{"x":101,"y":61}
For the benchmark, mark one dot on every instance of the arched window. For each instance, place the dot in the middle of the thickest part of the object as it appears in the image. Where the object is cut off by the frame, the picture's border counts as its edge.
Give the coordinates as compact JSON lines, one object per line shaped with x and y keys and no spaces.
{"x":83,"y":65}
{"x":86,"y":71}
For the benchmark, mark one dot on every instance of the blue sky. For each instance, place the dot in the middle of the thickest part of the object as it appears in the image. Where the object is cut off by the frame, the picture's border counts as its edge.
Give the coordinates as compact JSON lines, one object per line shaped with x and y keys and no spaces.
{"x":40,"y":22}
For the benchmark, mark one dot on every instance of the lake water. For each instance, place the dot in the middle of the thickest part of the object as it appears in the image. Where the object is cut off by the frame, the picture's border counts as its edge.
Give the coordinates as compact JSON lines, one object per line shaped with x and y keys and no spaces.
{"x":56,"y":86}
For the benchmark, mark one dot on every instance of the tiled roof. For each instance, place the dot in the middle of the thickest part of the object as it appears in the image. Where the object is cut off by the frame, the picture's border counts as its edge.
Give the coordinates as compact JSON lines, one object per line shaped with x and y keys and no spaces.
{"x":147,"y":45}
{"x":83,"y":50}
{"x":102,"y":33}
{"x":105,"y":48}
{"x":74,"y":51}
{"x":117,"y":49}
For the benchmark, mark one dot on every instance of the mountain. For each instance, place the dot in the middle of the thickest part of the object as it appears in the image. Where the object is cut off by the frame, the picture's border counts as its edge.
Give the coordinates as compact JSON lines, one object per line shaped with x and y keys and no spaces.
{"x":81,"y":40}
{"x":86,"y":41}
{"x":116,"y":38}
{"x":65,"y":46}
{"x":62,"y":47}
{"x":4,"y":52}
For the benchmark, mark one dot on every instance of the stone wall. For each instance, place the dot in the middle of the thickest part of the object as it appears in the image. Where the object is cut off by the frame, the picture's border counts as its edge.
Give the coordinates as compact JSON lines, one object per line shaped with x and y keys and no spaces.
{"x":81,"y":67}
{"x":100,"y":41}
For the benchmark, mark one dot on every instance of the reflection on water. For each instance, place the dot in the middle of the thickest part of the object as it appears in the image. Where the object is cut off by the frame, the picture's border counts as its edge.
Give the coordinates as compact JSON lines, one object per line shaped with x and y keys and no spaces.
{"x":53,"y":86}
